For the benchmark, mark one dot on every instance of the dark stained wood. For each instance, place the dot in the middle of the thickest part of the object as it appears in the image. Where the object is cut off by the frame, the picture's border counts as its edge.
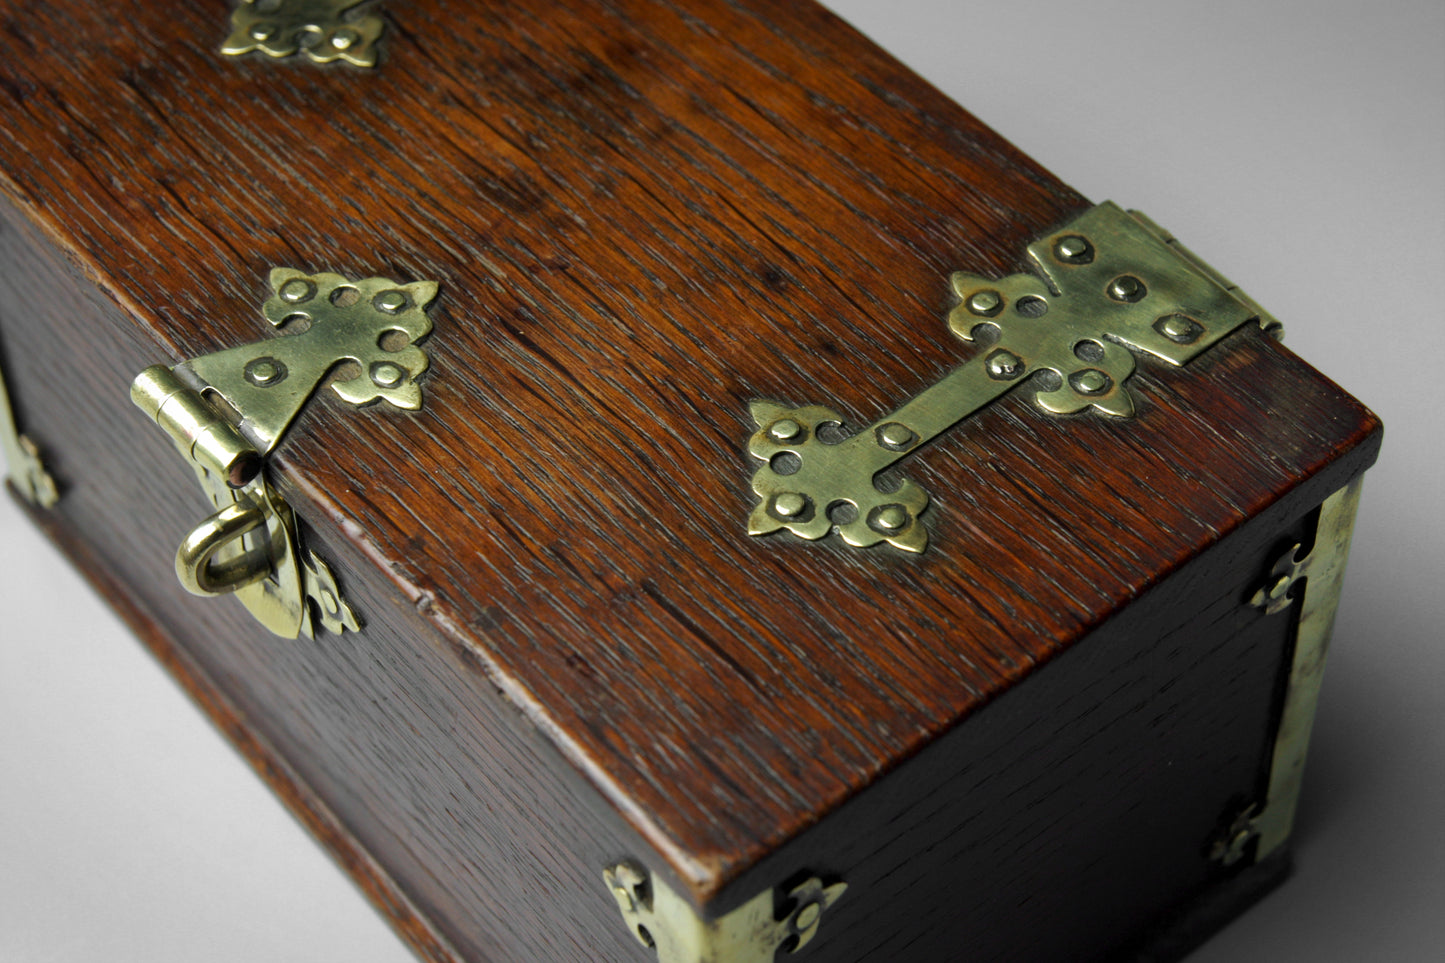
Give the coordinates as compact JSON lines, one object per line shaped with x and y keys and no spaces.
{"x":644,"y":215}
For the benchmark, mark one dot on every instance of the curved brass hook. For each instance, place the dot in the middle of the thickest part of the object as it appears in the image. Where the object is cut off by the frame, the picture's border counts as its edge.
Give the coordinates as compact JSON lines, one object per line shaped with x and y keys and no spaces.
{"x":196,"y":567}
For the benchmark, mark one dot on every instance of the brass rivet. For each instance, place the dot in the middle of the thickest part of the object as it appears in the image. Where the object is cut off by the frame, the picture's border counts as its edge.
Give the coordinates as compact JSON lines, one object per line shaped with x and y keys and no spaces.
{"x":390,"y":301}
{"x":1091,"y":382}
{"x":895,"y":435}
{"x":892,"y":517}
{"x":790,"y":504}
{"x":1074,"y":249}
{"x":985,"y":303}
{"x":1004,"y":364}
{"x":785,"y":429}
{"x":344,"y":38}
{"x":263,"y":31}
{"x":262,"y":372}
{"x":808,"y":916}
{"x":297,"y":290}
{"x":1126,"y":288}
{"x":386,"y":374}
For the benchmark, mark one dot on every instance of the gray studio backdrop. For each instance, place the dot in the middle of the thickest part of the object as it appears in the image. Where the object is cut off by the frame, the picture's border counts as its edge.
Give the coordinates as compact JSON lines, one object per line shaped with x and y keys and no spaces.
{"x":1299,"y":146}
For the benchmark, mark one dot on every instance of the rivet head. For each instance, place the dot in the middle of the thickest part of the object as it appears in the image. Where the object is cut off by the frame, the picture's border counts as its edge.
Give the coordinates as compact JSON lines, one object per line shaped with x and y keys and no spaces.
{"x":297,"y":290}
{"x":345,"y":38}
{"x":784,"y":429}
{"x":1074,"y":250}
{"x":263,"y":372}
{"x":1091,"y":381}
{"x":1126,"y":288}
{"x":386,"y":374}
{"x":263,"y":31}
{"x":985,"y":303}
{"x":1003,"y":365}
{"x":896,"y":436}
{"x":808,"y":916}
{"x":1178,"y":328}
{"x":891,"y":517}
{"x":790,"y":504}
{"x":390,"y":301}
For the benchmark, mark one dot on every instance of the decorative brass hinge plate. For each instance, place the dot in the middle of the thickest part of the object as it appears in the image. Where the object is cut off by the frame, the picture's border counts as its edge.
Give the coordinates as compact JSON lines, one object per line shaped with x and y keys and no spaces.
{"x":752,"y":933}
{"x":226,"y":411}
{"x":27,"y":471}
{"x":1108,"y":285}
{"x":323,"y":30}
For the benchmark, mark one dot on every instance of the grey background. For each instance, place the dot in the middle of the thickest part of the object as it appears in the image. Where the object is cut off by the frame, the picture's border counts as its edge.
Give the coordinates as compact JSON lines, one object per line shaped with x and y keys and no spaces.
{"x":1299,"y":146}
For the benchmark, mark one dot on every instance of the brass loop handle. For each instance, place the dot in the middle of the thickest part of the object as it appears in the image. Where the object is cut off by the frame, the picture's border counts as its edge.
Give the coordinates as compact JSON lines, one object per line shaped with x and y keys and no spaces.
{"x":196,"y":567}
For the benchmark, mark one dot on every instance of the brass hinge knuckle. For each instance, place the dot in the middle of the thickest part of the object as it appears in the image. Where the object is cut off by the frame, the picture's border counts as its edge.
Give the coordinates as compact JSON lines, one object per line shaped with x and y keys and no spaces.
{"x":755,"y":932}
{"x":225,"y":412}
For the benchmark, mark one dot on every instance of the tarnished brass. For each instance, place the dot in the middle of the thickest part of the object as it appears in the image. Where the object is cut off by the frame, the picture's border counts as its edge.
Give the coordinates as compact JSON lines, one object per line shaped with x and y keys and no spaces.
{"x":1108,"y":285}
{"x":1313,"y":582}
{"x":752,"y":933}
{"x":323,"y":30}
{"x":27,"y":471}
{"x":226,"y":411}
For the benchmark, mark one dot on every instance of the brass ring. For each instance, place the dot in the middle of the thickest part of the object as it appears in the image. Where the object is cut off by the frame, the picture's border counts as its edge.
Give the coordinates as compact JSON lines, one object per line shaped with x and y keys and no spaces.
{"x":195,"y":565}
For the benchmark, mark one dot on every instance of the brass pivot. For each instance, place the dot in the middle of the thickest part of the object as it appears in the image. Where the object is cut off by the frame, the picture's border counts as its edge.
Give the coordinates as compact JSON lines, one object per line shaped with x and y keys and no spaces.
{"x":227,"y":411}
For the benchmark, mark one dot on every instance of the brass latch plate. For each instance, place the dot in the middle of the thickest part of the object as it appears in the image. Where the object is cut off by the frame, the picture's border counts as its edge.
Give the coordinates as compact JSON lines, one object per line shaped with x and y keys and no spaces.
{"x":226,"y":411}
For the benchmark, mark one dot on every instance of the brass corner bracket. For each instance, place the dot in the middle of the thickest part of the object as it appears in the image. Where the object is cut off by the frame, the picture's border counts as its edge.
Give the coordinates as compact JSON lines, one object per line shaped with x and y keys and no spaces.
{"x":27,"y":471}
{"x":1313,"y":582}
{"x":753,"y":933}
{"x":227,"y":411}
{"x":323,"y":30}
{"x":1108,"y":285}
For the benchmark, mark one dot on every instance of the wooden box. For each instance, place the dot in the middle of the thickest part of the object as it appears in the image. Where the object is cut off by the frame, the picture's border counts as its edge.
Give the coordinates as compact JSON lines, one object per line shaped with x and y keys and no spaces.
{"x":604,"y":687}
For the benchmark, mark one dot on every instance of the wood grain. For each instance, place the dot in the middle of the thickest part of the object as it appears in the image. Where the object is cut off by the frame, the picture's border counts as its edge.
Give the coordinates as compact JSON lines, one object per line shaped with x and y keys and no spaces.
{"x":643,"y":216}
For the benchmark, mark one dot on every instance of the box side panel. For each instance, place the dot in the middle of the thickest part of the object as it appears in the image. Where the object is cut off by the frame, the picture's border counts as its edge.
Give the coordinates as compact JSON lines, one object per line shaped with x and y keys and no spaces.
{"x":456,"y":816}
{"x":1083,"y":808}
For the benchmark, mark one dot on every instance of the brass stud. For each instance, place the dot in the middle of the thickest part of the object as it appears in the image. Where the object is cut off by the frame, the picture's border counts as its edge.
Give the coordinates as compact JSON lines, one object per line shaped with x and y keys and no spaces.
{"x":297,"y":290}
{"x":784,"y":429}
{"x":896,"y":436}
{"x":390,"y":301}
{"x":891,"y":517}
{"x":1074,"y":249}
{"x":1178,"y":328}
{"x":1003,"y":365}
{"x":263,"y":31}
{"x":985,"y":303}
{"x":1127,"y":288}
{"x":386,"y":374}
{"x":345,"y":38}
{"x":790,"y":504}
{"x":264,"y":372}
{"x":1091,"y":381}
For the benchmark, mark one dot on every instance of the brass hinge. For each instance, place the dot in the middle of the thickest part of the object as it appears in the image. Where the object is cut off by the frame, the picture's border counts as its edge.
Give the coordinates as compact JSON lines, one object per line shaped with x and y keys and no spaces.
{"x":323,"y":30}
{"x":27,"y":472}
{"x":227,"y":411}
{"x":1109,"y":284}
{"x":753,"y":933}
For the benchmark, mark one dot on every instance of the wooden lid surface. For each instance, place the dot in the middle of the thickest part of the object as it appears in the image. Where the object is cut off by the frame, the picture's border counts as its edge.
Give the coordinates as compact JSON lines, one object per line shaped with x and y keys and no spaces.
{"x":643,"y":216}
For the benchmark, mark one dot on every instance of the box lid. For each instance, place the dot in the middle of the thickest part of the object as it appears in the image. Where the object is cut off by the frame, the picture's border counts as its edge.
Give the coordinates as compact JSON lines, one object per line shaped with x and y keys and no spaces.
{"x":643,"y":220}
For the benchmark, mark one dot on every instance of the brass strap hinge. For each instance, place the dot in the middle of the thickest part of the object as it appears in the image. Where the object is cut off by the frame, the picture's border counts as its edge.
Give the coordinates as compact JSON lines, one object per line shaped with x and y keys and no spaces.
{"x":27,"y":472}
{"x":227,"y":411}
{"x":753,"y":933}
{"x":1110,"y":284}
{"x":323,"y":30}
